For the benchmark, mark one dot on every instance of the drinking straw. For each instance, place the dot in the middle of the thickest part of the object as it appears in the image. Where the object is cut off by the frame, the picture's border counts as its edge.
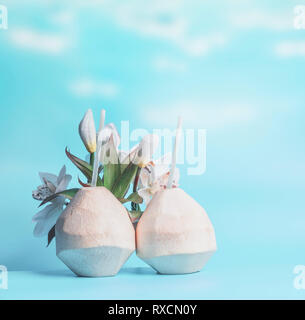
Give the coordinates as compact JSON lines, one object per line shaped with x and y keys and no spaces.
{"x":98,"y":150}
{"x":175,"y":153}
{"x":102,"y":120}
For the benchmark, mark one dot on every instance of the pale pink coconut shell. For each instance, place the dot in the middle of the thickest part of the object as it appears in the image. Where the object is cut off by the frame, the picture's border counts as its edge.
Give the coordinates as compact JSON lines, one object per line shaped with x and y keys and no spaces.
{"x":174,"y":234}
{"x":94,"y":234}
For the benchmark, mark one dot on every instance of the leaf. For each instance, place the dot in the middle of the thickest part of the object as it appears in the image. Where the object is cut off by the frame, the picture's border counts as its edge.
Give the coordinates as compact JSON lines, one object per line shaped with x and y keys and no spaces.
{"x":123,"y":182}
{"x":68,"y":194}
{"x":111,"y":173}
{"x":112,"y":170}
{"x":85,"y":185}
{"x":135,"y":206}
{"x":134,"y":197}
{"x":126,"y":160}
{"x":83,"y":166}
{"x":51,"y":235}
{"x":135,"y":215}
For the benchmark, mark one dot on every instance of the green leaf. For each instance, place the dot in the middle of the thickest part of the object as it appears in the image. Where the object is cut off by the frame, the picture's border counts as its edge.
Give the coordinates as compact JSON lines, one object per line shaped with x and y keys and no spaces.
{"x":135,"y":215}
{"x":68,"y":194}
{"x":128,"y":159}
{"x":123,"y":182}
{"x":112,"y":170}
{"x":134,"y":197}
{"x":111,"y":173}
{"x":85,"y":185}
{"x":135,"y":206}
{"x":84,"y":167}
{"x":92,"y":155}
{"x":51,"y":235}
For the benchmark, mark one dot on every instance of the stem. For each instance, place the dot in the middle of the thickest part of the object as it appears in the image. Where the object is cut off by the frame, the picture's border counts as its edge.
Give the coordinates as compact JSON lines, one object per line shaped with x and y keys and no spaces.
{"x":92,"y":159}
{"x":135,"y":206}
{"x":175,"y":153}
{"x":92,"y":164}
{"x":136,"y":180}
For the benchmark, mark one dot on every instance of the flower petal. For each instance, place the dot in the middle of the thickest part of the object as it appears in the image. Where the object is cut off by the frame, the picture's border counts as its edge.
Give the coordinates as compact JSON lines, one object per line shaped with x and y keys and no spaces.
{"x":45,"y":224}
{"x":127,"y":157}
{"x":64,"y":183}
{"x":145,"y":177}
{"x":87,"y":131}
{"x":115,"y":134}
{"x":42,"y":213}
{"x":61,"y":175}
{"x":109,"y":153}
{"x":176,"y":178}
{"x":145,"y":150}
{"x":105,"y":134}
{"x":145,"y":194}
{"x":48,"y":176}
{"x":50,"y":186}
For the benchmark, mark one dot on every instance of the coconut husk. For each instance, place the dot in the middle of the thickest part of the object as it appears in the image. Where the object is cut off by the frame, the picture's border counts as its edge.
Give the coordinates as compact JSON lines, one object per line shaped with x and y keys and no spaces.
{"x":94,"y":234}
{"x":174,"y":234}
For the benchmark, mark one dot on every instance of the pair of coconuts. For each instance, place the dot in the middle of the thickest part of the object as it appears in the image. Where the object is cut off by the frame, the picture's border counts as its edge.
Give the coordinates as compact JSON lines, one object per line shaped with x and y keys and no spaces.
{"x":95,"y":236}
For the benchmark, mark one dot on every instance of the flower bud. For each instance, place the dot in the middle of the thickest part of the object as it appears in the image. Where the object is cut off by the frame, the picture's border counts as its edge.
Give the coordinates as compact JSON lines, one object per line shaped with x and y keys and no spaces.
{"x":145,"y":150}
{"x":87,"y":131}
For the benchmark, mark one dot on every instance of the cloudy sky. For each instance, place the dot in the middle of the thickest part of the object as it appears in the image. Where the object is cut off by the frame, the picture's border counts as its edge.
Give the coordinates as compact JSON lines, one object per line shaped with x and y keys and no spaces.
{"x":235,"y":68}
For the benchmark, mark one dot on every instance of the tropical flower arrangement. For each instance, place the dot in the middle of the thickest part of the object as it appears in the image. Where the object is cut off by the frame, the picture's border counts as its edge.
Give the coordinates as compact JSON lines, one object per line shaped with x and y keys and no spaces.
{"x":119,"y":169}
{"x":127,"y":201}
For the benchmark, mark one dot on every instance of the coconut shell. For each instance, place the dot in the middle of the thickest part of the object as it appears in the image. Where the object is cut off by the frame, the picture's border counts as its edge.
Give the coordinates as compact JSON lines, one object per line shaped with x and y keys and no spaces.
{"x":94,"y":234}
{"x":174,"y":234}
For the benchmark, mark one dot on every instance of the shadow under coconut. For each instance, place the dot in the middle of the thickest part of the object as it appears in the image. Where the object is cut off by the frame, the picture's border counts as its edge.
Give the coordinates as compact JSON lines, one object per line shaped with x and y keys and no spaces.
{"x":144,"y":271}
{"x":147,"y":271}
{"x":124,"y":271}
{"x":141,"y":271}
{"x":57,"y":273}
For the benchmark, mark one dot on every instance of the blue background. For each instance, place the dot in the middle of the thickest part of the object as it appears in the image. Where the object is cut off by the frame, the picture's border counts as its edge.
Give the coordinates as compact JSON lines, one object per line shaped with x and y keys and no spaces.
{"x":235,"y":68}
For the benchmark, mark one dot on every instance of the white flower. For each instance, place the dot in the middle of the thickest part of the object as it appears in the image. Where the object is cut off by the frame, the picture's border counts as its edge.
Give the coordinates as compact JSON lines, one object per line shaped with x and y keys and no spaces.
{"x":154,"y":177}
{"x":87,"y":131}
{"x":47,"y":217}
{"x":142,"y":153}
{"x":108,"y":140}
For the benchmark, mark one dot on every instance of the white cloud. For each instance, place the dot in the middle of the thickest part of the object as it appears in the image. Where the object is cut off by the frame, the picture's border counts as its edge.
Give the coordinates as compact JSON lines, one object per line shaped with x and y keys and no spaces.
{"x":253,"y":18}
{"x":201,"y":45}
{"x":169,"y":21}
{"x":164,"y":20}
{"x":202,"y":115}
{"x":163,"y":63}
{"x":34,"y":40}
{"x":290,"y":49}
{"x":88,"y":87}
{"x":64,"y":18}
{"x":148,"y":23}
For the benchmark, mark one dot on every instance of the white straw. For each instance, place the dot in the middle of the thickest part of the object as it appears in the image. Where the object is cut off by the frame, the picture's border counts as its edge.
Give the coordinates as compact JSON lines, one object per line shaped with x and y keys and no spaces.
{"x":102,"y":120}
{"x":175,"y":153}
{"x":98,"y":150}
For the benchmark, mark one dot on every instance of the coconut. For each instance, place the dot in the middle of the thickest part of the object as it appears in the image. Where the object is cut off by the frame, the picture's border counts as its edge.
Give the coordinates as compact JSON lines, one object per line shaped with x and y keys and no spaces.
{"x":94,"y":234}
{"x":174,"y":234}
